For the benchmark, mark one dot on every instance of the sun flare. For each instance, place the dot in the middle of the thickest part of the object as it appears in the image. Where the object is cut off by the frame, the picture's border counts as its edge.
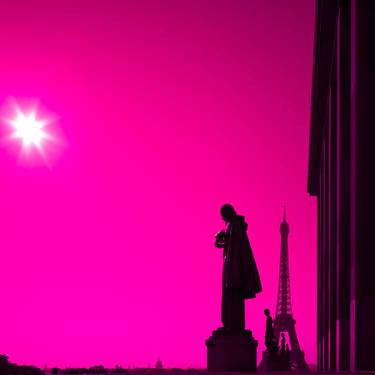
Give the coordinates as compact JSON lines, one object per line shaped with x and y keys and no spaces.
{"x":29,"y":129}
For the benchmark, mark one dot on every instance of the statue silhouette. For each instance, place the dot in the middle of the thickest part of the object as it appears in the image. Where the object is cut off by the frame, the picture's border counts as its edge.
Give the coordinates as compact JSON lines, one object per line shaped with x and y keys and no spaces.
{"x":269,"y":339}
{"x":282,"y":343}
{"x":240,"y":274}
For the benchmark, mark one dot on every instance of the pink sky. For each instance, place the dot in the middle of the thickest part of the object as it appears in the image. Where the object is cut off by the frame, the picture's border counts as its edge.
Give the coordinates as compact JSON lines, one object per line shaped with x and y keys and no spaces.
{"x":168,"y":109}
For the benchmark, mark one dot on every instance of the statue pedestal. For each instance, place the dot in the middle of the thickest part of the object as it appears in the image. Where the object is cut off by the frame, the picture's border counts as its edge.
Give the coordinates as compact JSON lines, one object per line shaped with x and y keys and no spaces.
{"x":231,"y":351}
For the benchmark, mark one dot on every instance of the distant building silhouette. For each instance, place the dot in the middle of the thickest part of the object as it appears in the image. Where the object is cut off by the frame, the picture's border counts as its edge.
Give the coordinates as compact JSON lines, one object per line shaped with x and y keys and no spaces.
{"x":8,"y":368}
{"x":342,"y":177}
{"x":159,"y":364}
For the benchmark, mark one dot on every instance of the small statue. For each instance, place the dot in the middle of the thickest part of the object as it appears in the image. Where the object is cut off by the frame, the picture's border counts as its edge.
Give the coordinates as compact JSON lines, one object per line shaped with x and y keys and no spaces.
{"x":269,"y":339}
{"x":282,"y":343}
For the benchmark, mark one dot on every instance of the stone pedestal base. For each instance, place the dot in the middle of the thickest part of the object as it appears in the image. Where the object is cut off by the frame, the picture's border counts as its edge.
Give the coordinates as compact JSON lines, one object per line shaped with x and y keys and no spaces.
{"x":231,"y":351}
{"x":282,"y":361}
{"x":274,"y":362}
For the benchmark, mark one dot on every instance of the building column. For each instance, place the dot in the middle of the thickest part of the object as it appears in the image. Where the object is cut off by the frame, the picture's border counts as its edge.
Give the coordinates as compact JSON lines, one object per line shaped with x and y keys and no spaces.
{"x":363,"y":184}
{"x":332,"y":219}
{"x":343,"y":188}
{"x":326,"y":249}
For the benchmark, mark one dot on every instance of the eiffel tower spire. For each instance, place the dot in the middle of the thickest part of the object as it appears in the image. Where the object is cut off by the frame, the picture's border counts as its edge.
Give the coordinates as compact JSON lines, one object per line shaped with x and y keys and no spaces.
{"x":284,"y":303}
{"x":284,"y":321}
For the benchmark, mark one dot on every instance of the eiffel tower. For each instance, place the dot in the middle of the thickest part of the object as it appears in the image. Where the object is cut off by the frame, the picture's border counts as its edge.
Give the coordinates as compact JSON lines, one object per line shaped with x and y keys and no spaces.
{"x":284,"y":321}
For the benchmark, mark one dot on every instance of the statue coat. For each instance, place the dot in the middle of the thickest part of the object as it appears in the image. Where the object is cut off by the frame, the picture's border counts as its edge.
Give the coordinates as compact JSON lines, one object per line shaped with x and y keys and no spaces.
{"x":240,"y":271}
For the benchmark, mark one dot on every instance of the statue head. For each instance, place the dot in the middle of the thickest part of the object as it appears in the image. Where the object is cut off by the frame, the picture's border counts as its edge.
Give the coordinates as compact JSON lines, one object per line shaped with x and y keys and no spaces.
{"x":227,"y":212}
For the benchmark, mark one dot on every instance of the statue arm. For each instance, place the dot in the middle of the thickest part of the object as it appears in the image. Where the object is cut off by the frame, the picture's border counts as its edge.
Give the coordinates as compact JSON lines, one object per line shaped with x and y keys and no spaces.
{"x":219,"y":245}
{"x":220,"y":240}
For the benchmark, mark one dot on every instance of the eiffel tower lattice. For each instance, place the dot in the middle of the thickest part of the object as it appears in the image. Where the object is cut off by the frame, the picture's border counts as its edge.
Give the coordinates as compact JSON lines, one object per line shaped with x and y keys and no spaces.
{"x":284,"y":321}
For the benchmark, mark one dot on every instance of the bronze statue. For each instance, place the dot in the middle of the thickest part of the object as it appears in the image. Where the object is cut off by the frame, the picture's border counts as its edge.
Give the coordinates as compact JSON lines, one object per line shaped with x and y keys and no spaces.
{"x":240,"y":274}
